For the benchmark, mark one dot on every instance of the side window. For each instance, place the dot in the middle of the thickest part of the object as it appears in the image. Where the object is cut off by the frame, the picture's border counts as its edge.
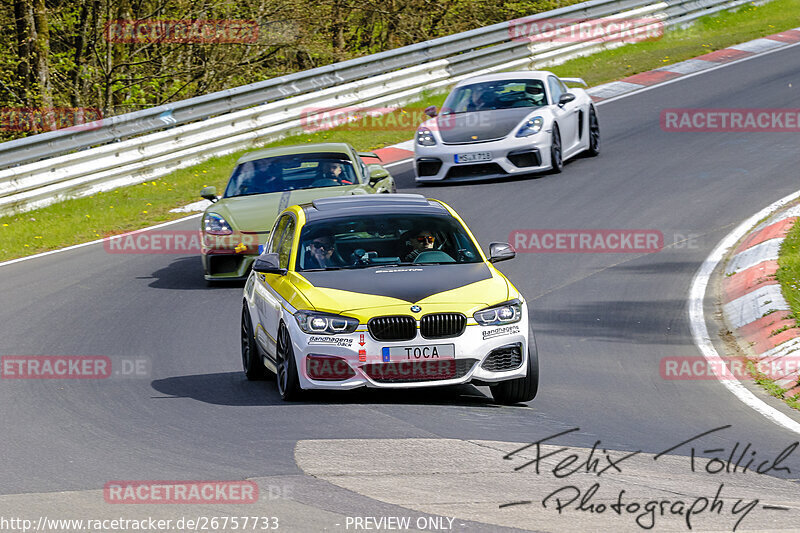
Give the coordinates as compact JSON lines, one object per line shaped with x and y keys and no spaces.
{"x":277,"y":233}
{"x":285,"y":249}
{"x":555,"y":89}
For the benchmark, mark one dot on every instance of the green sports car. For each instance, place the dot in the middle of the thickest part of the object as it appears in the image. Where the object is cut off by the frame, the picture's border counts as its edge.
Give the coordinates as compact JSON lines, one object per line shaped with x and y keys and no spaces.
{"x":236,"y":225}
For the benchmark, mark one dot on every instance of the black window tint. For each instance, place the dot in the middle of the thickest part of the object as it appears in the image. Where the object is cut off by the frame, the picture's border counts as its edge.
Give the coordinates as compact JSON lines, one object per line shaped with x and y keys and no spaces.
{"x":277,"y":234}
{"x":555,"y":89}
{"x":285,"y":248}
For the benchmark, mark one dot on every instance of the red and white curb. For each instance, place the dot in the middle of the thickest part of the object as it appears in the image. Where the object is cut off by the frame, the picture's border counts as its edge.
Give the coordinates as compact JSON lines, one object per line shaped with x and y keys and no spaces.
{"x":752,"y":300}
{"x":692,"y":66}
{"x":396,"y":153}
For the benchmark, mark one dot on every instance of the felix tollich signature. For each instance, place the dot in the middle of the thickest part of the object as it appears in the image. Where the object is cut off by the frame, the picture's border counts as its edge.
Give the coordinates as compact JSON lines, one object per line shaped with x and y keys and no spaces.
{"x":601,"y":462}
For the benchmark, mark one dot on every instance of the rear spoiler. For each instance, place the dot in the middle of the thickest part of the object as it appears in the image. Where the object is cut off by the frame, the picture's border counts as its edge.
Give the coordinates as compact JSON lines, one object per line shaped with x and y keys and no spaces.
{"x":574,"y":80}
{"x":370,"y":154}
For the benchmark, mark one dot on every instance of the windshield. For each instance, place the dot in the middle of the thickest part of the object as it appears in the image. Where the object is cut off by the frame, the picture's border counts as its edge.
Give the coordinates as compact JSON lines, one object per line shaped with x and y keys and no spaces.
{"x":357,"y":242}
{"x":290,"y":172}
{"x":500,"y":94}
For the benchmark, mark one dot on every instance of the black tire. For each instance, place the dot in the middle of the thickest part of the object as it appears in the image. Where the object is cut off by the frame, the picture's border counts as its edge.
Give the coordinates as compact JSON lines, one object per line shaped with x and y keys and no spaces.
{"x":556,"y":155}
{"x":521,"y":389}
{"x":254,"y":368}
{"x":286,"y":377}
{"x":594,"y":134}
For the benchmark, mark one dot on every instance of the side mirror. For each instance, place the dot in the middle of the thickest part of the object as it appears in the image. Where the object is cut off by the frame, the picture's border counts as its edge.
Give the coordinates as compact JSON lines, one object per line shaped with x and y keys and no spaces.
{"x":430,"y":111}
{"x":209,"y":193}
{"x":377,"y":173}
{"x":501,"y":251}
{"x":268,"y":264}
{"x":566,"y":98}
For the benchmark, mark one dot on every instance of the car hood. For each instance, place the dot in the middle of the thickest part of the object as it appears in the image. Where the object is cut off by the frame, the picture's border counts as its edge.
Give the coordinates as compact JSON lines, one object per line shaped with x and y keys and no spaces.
{"x":480,"y":126}
{"x":257,"y":212}
{"x":373,"y":291}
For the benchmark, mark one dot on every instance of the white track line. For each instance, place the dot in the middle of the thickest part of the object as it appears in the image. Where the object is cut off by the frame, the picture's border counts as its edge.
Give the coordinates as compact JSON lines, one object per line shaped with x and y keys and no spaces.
{"x":693,"y":74}
{"x":104,"y":239}
{"x":697,"y":319}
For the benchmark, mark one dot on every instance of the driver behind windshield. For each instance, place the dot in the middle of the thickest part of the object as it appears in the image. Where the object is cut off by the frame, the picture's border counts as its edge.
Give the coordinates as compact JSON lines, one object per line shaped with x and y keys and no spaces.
{"x":421,"y":240}
{"x":536,"y":93}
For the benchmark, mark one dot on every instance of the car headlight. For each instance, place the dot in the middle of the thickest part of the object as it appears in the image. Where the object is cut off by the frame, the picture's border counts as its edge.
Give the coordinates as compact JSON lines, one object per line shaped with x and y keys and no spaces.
{"x":425,"y":137}
{"x":324,"y":323}
{"x":531,"y":127}
{"x":505,"y":313}
{"x":214,"y":224}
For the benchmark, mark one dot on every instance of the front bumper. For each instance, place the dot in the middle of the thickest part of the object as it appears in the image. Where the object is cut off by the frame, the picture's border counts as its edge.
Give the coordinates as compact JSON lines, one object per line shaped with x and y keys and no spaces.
{"x":511,"y":156}
{"x":227,"y":266}
{"x":473,"y":349}
{"x":229,"y":257}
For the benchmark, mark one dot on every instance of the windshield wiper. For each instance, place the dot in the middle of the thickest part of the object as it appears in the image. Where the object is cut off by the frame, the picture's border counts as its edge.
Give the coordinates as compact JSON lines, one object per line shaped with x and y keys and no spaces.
{"x":321,"y":269}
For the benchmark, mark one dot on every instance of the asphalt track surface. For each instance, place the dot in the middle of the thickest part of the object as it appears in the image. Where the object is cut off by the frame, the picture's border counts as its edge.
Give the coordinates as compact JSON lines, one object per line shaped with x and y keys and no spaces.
{"x":603,"y":322}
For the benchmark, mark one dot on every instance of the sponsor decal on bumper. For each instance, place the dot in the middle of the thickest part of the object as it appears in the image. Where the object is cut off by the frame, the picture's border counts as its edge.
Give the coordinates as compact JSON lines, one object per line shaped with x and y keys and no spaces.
{"x":502,"y":330}
{"x":331,"y":341}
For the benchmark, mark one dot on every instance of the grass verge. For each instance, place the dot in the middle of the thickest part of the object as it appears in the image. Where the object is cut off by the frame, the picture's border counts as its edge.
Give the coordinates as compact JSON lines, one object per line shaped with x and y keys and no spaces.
{"x":788,"y":273}
{"x":772,"y":388}
{"x":137,"y":206}
{"x":706,"y":35}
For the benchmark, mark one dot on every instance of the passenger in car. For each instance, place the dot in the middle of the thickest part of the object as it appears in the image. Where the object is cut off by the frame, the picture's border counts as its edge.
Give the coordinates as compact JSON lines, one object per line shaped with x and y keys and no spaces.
{"x":332,"y":170}
{"x":321,"y":253}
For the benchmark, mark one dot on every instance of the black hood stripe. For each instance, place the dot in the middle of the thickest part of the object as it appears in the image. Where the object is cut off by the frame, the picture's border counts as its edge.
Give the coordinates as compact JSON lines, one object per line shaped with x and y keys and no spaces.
{"x":411,"y":283}
{"x":482,"y":125}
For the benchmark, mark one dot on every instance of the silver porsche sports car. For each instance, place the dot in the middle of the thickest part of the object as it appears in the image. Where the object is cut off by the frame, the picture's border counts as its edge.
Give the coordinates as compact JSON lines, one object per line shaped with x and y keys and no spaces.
{"x":506,"y":124}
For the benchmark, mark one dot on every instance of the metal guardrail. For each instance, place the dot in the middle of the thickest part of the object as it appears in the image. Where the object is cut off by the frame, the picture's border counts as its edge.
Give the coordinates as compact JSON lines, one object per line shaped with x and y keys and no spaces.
{"x":136,"y":147}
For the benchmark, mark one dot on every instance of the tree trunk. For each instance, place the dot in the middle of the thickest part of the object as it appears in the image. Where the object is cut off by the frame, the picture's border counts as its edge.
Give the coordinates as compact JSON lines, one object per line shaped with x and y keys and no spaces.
{"x":338,"y":21}
{"x":23,"y":15}
{"x":76,"y":97}
{"x":41,"y":47}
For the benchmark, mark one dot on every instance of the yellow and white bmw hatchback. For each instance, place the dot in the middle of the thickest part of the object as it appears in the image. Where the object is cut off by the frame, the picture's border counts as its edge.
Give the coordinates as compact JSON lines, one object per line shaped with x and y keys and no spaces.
{"x":385,"y":291}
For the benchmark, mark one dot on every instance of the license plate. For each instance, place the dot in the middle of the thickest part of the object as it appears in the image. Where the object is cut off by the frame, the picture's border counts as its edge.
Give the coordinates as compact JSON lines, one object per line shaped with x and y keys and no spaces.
{"x":471,"y":157}
{"x":430,"y":352}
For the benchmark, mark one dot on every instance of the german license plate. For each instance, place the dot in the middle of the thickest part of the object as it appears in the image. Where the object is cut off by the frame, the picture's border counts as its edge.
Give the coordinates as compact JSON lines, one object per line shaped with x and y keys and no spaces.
{"x":472,"y":157}
{"x":430,"y":352}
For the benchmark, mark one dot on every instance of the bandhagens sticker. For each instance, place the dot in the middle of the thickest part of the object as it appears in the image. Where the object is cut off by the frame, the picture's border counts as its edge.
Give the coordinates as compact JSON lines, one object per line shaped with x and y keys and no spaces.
{"x":497,"y":332}
{"x":331,"y":341}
